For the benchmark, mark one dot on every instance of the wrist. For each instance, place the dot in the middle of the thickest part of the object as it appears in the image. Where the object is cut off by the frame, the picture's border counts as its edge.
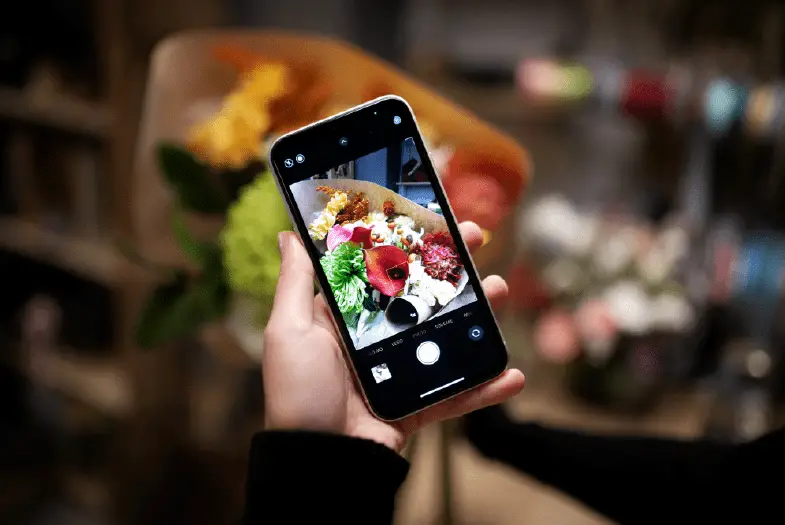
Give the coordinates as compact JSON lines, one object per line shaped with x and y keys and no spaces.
{"x":380,"y":433}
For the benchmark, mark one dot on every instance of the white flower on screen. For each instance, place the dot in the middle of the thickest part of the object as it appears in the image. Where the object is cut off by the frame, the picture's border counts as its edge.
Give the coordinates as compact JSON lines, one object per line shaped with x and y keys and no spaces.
{"x":444,"y":291}
{"x":403,"y":221}
{"x":430,"y":290}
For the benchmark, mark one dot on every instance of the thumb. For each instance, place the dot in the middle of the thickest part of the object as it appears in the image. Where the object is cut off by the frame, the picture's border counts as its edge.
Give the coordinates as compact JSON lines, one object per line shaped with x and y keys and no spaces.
{"x":293,"y":305}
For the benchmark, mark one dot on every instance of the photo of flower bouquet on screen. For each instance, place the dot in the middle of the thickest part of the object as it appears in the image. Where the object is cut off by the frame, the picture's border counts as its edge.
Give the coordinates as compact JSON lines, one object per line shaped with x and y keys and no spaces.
{"x":386,"y":252}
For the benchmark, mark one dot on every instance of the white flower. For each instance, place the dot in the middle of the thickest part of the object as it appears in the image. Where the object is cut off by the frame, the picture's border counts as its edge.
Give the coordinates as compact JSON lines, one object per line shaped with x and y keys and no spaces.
{"x":655,"y":265}
{"x":562,"y":275}
{"x":586,"y":231}
{"x":427,"y":288}
{"x":671,"y":312}
{"x":444,"y":291}
{"x":675,"y":243}
{"x":374,"y":216}
{"x":402,"y":221}
{"x":616,"y":252}
{"x":551,"y":221}
{"x":629,"y":306}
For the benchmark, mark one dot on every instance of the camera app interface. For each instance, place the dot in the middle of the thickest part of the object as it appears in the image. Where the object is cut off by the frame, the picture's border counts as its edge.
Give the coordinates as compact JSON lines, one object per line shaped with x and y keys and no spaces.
{"x":384,"y":246}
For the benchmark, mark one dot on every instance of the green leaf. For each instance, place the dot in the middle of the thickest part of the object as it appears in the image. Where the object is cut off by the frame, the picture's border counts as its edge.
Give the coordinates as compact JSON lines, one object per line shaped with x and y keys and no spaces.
{"x":370,"y":304}
{"x":154,"y":325}
{"x":179,"y":308}
{"x":200,"y":252}
{"x":213,"y":296}
{"x":190,"y":180}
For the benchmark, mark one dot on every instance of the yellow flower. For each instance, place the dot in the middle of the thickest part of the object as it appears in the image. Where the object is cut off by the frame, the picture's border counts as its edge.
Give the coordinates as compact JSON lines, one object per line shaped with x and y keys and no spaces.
{"x":320,"y":227}
{"x":264,"y":82}
{"x":232,"y":137}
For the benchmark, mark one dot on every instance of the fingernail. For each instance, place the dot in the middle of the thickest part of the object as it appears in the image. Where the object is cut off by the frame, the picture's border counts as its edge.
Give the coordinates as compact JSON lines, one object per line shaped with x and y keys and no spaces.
{"x":281,"y":242}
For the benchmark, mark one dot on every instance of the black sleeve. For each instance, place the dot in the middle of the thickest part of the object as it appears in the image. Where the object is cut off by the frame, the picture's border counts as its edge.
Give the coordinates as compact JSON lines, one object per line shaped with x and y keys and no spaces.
{"x":304,"y":477}
{"x":639,"y":480}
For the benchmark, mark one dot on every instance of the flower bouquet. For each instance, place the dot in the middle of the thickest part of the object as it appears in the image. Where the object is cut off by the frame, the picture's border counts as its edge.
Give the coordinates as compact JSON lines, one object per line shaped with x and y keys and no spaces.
{"x":390,"y":262}
{"x":618,"y":303}
{"x":215,"y":101}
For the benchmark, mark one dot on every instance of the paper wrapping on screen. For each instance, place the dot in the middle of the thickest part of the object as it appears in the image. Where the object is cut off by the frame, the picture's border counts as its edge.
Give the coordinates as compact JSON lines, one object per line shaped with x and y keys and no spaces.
{"x":312,"y":202}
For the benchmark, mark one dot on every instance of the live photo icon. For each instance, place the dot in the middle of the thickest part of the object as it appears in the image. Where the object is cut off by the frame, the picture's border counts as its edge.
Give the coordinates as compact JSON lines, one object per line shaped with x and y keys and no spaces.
{"x":381,"y":373}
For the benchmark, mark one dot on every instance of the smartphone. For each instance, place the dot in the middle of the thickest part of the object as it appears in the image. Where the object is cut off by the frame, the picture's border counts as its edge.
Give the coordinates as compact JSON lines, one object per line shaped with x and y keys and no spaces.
{"x":402,"y":288}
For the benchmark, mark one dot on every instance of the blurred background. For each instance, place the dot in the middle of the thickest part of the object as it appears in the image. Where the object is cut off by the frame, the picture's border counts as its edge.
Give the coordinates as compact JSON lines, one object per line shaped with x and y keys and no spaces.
{"x":645,"y":260}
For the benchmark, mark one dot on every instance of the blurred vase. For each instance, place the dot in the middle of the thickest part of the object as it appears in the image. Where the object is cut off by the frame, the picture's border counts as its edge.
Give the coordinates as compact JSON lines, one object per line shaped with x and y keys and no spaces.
{"x":243,"y":323}
{"x":633,"y":377}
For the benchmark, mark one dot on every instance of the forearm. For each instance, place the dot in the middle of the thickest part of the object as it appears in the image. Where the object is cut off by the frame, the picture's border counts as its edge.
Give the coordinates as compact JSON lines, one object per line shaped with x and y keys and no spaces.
{"x":302,"y":477}
{"x":628,"y":479}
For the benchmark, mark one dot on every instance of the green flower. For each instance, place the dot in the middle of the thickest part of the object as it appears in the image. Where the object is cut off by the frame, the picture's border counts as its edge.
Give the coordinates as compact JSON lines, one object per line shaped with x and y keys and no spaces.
{"x":250,"y":240}
{"x":345,"y":271}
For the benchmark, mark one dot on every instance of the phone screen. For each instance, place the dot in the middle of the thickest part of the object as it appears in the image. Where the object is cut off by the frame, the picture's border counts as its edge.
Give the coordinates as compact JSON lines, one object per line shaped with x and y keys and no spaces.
{"x":389,"y":258}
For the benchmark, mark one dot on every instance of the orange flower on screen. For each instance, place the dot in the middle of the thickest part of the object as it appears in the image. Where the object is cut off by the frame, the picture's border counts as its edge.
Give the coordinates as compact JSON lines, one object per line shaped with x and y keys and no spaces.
{"x":387,"y":268}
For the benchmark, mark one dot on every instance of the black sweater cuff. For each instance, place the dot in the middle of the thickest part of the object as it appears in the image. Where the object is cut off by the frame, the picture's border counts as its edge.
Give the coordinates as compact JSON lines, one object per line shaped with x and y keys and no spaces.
{"x":295,"y":476}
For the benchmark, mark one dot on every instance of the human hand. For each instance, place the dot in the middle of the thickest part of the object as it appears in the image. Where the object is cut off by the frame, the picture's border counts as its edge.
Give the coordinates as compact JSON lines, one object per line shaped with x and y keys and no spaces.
{"x":307,"y":383}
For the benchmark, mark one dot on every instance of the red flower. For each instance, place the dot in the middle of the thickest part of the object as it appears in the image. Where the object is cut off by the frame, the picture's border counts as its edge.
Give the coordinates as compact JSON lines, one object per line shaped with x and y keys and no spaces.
{"x":440,"y":258}
{"x":484,"y":187}
{"x":387,"y":268}
{"x":477,"y":197}
{"x":526,"y":290}
{"x":339,"y":235}
{"x":556,"y":337}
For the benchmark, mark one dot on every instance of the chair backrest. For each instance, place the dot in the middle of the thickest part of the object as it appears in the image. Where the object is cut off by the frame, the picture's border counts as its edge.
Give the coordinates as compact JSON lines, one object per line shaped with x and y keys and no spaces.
{"x":186,"y":83}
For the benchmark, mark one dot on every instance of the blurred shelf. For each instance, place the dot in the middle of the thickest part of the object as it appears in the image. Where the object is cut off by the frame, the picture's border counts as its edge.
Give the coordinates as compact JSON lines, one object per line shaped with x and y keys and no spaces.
{"x":502,"y":105}
{"x":98,"y":383}
{"x":21,"y":492}
{"x":72,"y":116}
{"x":91,"y":258}
{"x":88,"y":492}
{"x":497,"y":104}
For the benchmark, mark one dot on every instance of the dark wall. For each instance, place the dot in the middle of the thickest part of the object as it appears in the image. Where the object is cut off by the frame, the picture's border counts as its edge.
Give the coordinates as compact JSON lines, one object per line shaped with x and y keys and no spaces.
{"x":375,"y":26}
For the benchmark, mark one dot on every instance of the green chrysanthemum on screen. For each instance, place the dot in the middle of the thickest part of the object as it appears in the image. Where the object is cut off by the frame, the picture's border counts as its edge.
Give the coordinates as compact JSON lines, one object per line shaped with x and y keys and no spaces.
{"x":345,"y":271}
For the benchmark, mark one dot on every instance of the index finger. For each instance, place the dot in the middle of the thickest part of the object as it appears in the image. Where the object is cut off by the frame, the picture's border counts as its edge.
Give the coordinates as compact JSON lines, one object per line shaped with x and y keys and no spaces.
{"x":472,"y":234}
{"x":293,"y":303}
